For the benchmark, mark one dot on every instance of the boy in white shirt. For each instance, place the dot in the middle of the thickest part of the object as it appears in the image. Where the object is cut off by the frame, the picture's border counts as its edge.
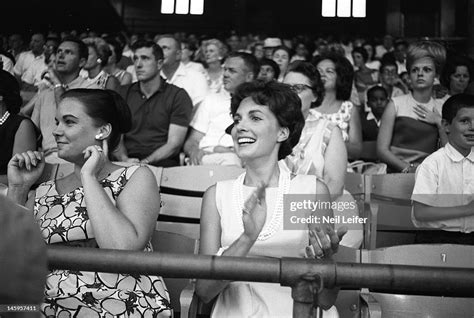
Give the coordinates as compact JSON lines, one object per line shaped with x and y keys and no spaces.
{"x":443,"y":196}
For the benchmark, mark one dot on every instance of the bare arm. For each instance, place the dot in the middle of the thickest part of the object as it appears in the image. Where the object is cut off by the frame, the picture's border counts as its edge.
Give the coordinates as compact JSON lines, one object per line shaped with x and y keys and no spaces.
{"x":176,"y":136}
{"x":354,"y":144}
{"x":112,"y":83}
{"x":424,"y":212}
{"x":129,"y":224}
{"x":335,"y":162}
{"x":384,"y":139}
{"x":191,"y":146}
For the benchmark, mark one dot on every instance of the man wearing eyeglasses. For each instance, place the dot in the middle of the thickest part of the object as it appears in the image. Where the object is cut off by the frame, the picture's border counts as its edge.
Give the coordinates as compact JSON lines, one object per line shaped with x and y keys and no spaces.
{"x":207,"y":142}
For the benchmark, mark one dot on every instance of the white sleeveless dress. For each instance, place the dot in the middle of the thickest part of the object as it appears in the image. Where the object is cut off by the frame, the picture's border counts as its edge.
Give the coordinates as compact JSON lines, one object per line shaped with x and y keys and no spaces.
{"x":252,"y":299}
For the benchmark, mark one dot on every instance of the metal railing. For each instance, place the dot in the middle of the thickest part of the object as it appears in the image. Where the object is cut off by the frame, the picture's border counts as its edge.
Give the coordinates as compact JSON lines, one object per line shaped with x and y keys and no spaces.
{"x":303,"y":275}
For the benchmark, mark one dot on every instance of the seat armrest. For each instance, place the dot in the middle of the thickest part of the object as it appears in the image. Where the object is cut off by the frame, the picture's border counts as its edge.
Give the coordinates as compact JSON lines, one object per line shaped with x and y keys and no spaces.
{"x":369,"y":306}
{"x":188,"y":300}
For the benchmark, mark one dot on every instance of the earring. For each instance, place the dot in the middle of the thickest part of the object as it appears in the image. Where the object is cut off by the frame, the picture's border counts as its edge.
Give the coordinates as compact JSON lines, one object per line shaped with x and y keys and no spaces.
{"x":99,"y":61}
{"x":98,"y":136}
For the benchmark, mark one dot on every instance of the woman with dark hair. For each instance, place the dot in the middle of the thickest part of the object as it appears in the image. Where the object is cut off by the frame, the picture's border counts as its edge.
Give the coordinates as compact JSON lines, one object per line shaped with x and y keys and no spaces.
{"x":111,"y":67}
{"x":269,"y":70}
{"x":411,"y":127}
{"x":364,"y":77}
{"x":17,"y":133}
{"x":337,"y":75}
{"x":282,"y":56}
{"x":244,"y":217}
{"x":320,"y":150}
{"x":457,"y":74}
{"x":99,"y":205}
{"x":99,"y":54}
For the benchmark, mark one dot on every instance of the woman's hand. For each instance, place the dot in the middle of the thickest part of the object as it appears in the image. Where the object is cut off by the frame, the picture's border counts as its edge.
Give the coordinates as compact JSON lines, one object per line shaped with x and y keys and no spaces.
{"x":324,"y":244}
{"x":24,"y":169}
{"x":95,"y":157}
{"x":430,"y":116}
{"x":254,"y":213}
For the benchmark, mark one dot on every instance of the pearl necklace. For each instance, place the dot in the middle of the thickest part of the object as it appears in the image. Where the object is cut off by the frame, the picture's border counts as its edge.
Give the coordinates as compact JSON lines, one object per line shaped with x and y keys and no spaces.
{"x":4,"y":117}
{"x":271,"y":227}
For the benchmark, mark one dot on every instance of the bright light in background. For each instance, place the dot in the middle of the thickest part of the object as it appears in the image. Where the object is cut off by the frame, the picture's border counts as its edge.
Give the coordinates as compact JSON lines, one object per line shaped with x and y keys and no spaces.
{"x":358,"y":8}
{"x":328,"y":8}
{"x":197,"y":6}
{"x":182,"y":6}
{"x":344,"y":8}
{"x":167,"y":6}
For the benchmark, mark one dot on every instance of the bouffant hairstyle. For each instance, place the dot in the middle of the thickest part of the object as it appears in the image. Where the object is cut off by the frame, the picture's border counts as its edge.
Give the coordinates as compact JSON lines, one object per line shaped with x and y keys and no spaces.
{"x":427,"y":49}
{"x":220,"y":46}
{"x":311,"y":73}
{"x":101,"y":47}
{"x":10,"y":92}
{"x":282,"y":102}
{"x":344,"y":72}
{"x":104,"y":107}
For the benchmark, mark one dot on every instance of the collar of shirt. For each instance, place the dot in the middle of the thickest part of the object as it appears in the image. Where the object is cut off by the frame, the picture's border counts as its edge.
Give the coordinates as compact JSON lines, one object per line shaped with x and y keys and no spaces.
{"x":455,"y":156}
{"x":180,"y":71}
{"x":371,"y":116}
{"x":136,"y":87}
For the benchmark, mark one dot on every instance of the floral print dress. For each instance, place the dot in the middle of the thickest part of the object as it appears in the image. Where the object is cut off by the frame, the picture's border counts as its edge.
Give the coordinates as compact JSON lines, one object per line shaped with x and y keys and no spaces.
{"x":63,"y":219}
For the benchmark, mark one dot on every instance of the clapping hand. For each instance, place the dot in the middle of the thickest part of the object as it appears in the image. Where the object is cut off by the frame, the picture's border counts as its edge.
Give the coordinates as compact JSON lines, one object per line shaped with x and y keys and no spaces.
{"x":24,"y":169}
{"x":324,"y":244}
{"x":254,"y":213}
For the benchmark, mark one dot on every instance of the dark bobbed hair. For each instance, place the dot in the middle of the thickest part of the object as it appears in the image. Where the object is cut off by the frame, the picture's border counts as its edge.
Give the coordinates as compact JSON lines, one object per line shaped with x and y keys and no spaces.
{"x":104,"y":107}
{"x":250,"y":61}
{"x":311,"y":72}
{"x":117,"y":48}
{"x":452,"y":62}
{"x":427,"y":49}
{"x":157,"y":51}
{"x":272,"y":64}
{"x":82,"y":47}
{"x":453,"y":104}
{"x":282,"y":102}
{"x":361,"y":51}
{"x":344,"y":71}
{"x":10,"y":91}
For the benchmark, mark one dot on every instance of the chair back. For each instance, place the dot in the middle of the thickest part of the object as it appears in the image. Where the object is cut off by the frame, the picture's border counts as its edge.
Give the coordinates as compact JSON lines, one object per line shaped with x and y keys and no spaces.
{"x":389,"y":198}
{"x":438,"y":255}
{"x":181,"y":191}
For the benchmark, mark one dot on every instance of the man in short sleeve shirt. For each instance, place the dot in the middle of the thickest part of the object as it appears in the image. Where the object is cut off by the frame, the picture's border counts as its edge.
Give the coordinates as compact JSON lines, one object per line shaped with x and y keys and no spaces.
{"x":161,"y":112}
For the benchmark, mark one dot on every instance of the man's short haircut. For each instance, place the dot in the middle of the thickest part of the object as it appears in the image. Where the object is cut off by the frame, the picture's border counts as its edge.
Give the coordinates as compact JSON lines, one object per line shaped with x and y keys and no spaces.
{"x":157,"y":51}
{"x":388,"y":62}
{"x":272,"y":64}
{"x":250,"y":62}
{"x":456,"y":102}
{"x":427,"y":49}
{"x":376,"y":88}
{"x":83,"y":50}
{"x":171,"y":36}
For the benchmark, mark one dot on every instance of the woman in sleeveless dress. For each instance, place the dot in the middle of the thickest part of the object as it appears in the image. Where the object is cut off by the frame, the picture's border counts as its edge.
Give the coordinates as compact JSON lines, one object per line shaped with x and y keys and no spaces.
{"x":411,"y":127}
{"x":94,"y":69}
{"x":337,"y":75}
{"x":99,"y":205}
{"x":321,"y":150}
{"x":244,"y":217}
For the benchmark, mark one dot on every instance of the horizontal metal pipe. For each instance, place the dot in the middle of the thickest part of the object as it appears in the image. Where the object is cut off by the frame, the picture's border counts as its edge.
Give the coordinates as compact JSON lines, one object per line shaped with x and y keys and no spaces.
{"x":404,"y":279}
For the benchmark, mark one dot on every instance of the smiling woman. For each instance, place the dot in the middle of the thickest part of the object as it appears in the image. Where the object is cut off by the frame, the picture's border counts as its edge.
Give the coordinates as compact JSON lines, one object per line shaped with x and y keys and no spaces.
{"x":99,"y":205}
{"x":244,"y":217}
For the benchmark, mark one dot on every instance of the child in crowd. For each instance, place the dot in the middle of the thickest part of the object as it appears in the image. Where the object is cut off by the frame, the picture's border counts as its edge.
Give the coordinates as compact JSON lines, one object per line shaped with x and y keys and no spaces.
{"x":377,"y":100}
{"x":443,"y":197}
